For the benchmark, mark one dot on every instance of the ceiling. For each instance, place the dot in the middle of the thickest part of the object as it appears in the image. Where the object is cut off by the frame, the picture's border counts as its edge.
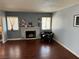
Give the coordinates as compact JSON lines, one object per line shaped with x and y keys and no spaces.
{"x":36,"y":5}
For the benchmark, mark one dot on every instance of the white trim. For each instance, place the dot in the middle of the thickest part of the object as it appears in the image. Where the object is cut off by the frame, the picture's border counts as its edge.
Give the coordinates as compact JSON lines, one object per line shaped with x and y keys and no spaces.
{"x":31,"y":38}
{"x":67,"y":48}
{"x":22,"y":39}
{"x":4,"y":41}
{"x":15,"y":39}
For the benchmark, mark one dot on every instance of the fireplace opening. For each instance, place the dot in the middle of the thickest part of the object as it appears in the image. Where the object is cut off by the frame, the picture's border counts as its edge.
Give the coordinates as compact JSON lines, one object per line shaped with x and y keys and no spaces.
{"x":30,"y":34}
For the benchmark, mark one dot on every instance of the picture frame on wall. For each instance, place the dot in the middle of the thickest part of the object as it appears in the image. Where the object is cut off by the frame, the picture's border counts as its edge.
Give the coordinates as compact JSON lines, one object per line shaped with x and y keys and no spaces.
{"x":76,"y":20}
{"x":22,"y":23}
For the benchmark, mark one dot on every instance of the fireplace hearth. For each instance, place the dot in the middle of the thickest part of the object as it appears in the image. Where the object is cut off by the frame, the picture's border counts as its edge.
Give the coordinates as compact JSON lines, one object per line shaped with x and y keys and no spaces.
{"x":30,"y":34}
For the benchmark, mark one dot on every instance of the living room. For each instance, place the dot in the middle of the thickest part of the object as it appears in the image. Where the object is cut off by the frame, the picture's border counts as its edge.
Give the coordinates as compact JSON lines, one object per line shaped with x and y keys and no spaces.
{"x":22,"y":22}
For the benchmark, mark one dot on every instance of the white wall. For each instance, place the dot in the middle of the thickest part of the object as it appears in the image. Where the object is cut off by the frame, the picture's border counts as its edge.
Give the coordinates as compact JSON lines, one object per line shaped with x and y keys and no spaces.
{"x":4,"y":32}
{"x":62,"y":26}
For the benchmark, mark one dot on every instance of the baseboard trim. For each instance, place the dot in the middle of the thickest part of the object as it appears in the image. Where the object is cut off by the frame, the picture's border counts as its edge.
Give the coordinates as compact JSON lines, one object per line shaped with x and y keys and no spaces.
{"x":5,"y":41}
{"x":67,"y":48}
{"x":22,"y":39}
{"x":15,"y":39}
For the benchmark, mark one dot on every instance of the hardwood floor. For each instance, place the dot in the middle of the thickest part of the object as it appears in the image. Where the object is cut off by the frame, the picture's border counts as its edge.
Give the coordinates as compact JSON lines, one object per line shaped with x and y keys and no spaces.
{"x":33,"y":49}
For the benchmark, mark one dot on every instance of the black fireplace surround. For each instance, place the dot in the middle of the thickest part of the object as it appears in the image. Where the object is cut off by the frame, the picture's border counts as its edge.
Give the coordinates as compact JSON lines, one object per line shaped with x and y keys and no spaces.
{"x":30,"y":34}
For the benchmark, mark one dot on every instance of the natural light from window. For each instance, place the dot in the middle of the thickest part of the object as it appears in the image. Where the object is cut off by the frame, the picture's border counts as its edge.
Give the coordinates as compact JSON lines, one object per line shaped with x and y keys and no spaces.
{"x":46,"y":23}
{"x":12,"y":23}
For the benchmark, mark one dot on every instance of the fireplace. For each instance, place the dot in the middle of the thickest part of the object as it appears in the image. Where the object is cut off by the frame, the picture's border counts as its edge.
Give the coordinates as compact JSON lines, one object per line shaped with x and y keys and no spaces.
{"x":30,"y":34}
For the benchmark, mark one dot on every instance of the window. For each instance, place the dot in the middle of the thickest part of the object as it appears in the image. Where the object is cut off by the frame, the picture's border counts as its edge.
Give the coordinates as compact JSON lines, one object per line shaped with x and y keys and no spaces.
{"x":12,"y":23}
{"x":46,"y":23}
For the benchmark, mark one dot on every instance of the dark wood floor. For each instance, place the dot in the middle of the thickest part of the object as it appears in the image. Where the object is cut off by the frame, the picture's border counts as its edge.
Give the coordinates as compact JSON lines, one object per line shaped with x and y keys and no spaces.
{"x":33,"y":49}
